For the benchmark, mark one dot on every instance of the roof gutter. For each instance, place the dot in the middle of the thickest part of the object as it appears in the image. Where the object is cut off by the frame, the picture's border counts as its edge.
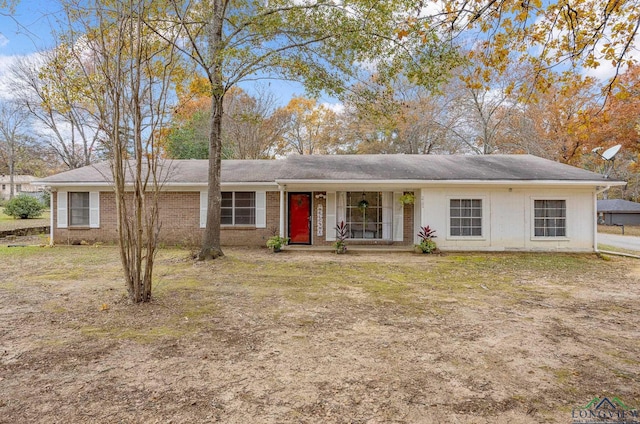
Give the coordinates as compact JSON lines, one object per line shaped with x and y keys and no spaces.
{"x":452,"y":182}
{"x":190,"y":184}
{"x":605,"y":188}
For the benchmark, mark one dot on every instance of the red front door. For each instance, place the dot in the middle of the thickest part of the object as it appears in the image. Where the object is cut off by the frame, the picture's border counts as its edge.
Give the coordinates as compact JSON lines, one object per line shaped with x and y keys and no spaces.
{"x":300,"y":218}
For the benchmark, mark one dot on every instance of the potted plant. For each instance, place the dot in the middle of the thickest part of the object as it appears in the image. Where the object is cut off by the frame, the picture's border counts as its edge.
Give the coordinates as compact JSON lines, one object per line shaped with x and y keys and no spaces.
{"x":275,"y":243}
{"x":407,"y":199}
{"x":427,"y":245}
{"x":340,"y":245}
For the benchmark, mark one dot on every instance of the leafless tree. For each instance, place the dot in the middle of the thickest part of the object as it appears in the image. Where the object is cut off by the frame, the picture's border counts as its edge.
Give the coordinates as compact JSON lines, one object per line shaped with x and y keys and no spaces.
{"x":128,"y":74}
{"x":14,"y":123}
{"x":49,"y":86}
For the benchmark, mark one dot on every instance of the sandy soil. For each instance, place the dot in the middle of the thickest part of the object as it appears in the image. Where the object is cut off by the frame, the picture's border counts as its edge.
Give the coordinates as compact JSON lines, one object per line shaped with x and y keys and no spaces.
{"x":316,"y":338}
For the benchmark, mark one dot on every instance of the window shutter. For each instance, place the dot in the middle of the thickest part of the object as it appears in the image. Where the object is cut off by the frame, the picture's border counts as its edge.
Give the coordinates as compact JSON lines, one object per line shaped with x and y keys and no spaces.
{"x":204,"y":197}
{"x":94,"y":209}
{"x":341,"y":210}
{"x":62,"y":210}
{"x":387,"y":215}
{"x":398,"y":217}
{"x":261,"y":209}
{"x":330,"y":226}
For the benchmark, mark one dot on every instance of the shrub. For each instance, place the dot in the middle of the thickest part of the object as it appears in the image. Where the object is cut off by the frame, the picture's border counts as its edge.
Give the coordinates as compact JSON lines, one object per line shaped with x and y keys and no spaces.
{"x":426,"y":235}
{"x":24,"y":207}
{"x":340,"y":245}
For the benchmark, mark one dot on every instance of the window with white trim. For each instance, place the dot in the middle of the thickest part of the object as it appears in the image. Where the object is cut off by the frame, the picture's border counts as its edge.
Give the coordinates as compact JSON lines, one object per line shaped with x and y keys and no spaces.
{"x":79,"y":209}
{"x":465,"y":217}
{"x":364,"y":212}
{"x":238,"y":208}
{"x":550,"y":218}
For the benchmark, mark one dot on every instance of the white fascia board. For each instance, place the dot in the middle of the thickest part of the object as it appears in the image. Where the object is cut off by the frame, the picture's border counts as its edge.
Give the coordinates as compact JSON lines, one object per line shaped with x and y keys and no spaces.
{"x":432,"y":183}
{"x":168,"y":185}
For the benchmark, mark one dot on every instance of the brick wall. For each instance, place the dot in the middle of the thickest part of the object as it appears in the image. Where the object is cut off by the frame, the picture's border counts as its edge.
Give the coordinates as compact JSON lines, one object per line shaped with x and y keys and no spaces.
{"x":179,"y":219}
{"x":407,"y":225}
{"x":180,"y":223}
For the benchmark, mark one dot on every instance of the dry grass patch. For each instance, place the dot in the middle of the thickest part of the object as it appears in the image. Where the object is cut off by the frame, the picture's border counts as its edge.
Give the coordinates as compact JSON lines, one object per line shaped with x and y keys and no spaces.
{"x":316,"y":337}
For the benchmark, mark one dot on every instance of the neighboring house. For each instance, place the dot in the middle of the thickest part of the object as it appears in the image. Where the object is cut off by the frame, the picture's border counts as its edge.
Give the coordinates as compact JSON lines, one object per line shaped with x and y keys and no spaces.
{"x":21,"y":184}
{"x":618,"y":212}
{"x":496,"y":202}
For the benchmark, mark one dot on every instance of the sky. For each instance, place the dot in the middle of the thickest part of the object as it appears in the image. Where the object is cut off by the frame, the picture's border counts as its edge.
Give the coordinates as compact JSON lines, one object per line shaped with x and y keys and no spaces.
{"x":28,"y":31}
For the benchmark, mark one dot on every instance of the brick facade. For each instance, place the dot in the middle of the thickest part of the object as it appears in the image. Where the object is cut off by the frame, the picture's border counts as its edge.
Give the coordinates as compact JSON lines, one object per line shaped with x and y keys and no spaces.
{"x":180,"y":223}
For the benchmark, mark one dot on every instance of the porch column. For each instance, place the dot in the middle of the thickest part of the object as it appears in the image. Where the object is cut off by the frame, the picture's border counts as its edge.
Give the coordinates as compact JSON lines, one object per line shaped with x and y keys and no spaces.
{"x":282,"y":209}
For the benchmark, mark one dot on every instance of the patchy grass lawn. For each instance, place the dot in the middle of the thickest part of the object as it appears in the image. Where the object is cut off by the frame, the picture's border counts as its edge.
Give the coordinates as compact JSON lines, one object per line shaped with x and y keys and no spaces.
{"x":308,"y":337}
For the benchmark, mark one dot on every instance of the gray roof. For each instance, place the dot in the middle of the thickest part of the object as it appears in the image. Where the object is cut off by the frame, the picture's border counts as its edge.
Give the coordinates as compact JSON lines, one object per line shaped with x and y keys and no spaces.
{"x":180,"y":171}
{"x":355,"y":168}
{"x":432,"y":168}
{"x":618,"y":206}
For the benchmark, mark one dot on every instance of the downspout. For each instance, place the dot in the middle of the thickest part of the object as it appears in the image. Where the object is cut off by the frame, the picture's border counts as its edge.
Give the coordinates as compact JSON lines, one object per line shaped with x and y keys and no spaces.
{"x":282,"y":208}
{"x":51,"y":211}
{"x":595,"y":221}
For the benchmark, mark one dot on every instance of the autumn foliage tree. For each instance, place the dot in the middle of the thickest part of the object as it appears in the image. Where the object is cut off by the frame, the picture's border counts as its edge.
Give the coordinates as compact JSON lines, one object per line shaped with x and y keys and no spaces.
{"x":307,"y":127}
{"x":249,"y":129}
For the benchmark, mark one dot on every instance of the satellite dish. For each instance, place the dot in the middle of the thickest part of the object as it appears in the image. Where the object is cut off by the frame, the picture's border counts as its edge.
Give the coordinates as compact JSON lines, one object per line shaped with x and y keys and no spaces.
{"x":611,"y":152}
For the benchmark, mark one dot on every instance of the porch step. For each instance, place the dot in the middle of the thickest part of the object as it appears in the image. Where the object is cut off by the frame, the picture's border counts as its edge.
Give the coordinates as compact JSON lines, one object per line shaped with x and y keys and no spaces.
{"x":351,"y":248}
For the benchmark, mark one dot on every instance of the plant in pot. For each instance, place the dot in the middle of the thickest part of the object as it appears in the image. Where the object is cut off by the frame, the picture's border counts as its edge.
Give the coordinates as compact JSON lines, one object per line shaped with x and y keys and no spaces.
{"x":427,"y":245}
{"x":275,"y":243}
{"x":340,"y":245}
{"x":407,"y":199}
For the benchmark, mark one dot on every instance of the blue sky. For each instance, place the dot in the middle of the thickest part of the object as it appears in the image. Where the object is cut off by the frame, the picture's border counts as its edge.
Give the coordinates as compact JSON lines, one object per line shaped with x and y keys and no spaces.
{"x":28,"y":31}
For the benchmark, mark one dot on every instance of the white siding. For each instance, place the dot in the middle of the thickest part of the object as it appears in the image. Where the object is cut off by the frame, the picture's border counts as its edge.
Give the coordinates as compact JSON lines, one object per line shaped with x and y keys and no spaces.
{"x":508,"y":218}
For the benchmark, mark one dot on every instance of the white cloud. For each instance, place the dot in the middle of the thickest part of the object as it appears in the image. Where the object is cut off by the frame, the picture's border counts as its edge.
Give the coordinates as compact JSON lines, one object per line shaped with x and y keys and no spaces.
{"x":3,"y":40}
{"x":334,"y":107}
{"x":6,"y":62}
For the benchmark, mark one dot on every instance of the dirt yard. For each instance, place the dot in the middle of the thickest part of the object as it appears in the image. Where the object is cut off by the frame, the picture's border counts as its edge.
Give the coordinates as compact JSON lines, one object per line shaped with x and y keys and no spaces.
{"x":303,"y":337}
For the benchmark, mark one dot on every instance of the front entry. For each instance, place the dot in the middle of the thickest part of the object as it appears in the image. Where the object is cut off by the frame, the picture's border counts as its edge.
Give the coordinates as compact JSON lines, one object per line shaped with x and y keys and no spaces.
{"x":300,"y":218}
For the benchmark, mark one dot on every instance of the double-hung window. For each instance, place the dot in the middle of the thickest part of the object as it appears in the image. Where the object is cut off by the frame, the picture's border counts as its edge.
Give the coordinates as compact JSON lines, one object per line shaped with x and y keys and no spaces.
{"x":550,"y":218}
{"x":465,"y":217}
{"x":79,"y":209}
{"x":238,"y":208}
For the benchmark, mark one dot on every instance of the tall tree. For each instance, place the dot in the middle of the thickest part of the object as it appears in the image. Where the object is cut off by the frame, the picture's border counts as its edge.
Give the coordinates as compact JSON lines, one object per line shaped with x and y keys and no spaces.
{"x":250,"y":127}
{"x":249,"y":131}
{"x":580,"y":34}
{"x":51,"y":87}
{"x":128,"y":72}
{"x":14,"y":123}
{"x":315,"y":42}
{"x":309,"y":128}
{"x":557,"y":124}
{"x":401,"y":117}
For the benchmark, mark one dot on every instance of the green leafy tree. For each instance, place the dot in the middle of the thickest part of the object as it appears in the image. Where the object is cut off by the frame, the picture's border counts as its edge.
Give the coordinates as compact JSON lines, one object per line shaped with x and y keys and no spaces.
{"x":314,"y":42}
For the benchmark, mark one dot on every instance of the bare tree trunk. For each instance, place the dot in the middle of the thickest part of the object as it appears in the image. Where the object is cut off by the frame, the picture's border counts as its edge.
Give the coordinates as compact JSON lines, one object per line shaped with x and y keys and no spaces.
{"x":211,"y":247}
